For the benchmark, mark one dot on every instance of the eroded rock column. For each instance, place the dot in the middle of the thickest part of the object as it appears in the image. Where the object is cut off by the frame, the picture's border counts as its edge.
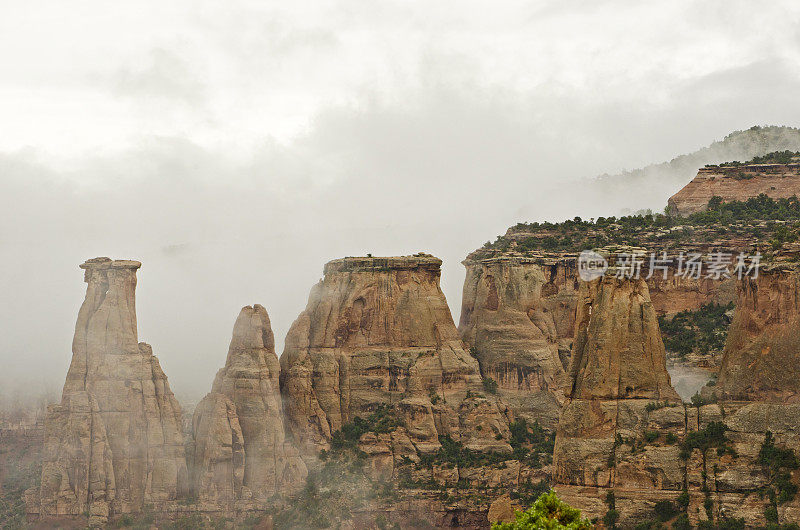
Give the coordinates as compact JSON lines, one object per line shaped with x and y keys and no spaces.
{"x":377,"y":331}
{"x":114,"y":443}
{"x":619,"y":390}
{"x":517,"y":316}
{"x":239,"y":449}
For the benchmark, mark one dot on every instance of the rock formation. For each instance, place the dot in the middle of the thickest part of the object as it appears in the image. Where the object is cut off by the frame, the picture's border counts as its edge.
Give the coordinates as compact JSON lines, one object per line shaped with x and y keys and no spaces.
{"x":378,"y":332}
{"x":114,"y":443}
{"x":618,"y":352}
{"x":761,"y":361}
{"x":617,"y":372}
{"x":624,"y":432}
{"x":239,"y":451}
{"x":736,"y":182}
{"x":518,"y":317}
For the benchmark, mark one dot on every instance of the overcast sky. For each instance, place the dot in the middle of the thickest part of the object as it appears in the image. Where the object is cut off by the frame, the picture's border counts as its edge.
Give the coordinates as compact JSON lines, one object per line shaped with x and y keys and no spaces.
{"x":235,"y":147}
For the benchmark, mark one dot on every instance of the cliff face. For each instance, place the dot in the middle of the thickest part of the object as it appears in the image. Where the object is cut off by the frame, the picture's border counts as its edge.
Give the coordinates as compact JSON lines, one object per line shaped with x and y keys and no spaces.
{"x":614,"y":432}
{"x":618,"y":352}
{"x":736,"y":183}
{"x":239,"y":451}
{"x":761,"y":361}
{"x":518,"y":317}
{"x":377,"y":331}
{"x":617,"y":373}
{"x":114,"y":443}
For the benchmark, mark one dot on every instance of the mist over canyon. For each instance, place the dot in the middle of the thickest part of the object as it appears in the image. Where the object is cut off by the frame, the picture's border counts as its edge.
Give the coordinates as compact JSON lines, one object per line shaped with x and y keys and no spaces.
{"x":352,"y":238}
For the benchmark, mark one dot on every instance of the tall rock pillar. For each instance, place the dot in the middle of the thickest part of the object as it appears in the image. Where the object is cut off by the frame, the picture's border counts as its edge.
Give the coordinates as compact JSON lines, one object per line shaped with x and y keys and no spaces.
{"x":114,"y":443}
{"x":240,"y":451}
{"x":617,"y":376}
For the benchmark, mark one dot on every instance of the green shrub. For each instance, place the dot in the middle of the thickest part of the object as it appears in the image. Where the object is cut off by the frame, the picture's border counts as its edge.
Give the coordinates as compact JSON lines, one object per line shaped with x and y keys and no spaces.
{"x":381,"y":420}
{"x":186,"y":522}
{"x":703,"y":330}
{"x":531,"y":444}
{"x":548,"y":512}
{"x":649,"y":525}
{"x":683,"y":499}
{"x":665,"y":510}
{"x":453,"y":453}
{"x":771,"y":514}
{"x":490,"y":385}
{"x":712,"y":435}
{"x":681,"y":522}
{"x":610,"y":518}
{"x":731,"y":524}
{"x":528,"y":492}
{"x":778,"y":463}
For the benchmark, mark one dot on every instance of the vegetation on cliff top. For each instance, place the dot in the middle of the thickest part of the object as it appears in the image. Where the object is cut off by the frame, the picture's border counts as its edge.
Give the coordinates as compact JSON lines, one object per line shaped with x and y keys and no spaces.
{"x":775,"y":157}
{"x":761,"y":219}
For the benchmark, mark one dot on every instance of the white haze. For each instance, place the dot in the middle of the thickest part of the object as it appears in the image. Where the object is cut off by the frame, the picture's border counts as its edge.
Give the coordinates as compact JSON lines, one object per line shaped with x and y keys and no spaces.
{"x":236,"y":147}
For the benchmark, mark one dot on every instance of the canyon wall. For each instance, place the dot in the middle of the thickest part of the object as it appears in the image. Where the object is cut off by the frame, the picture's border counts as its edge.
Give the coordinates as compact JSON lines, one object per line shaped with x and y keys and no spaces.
{"x":736,"y":183}
{"x":239,"y":454}
{"x":761,"y":361}
{"x":517,"y":315}
{"x":114,"y":443}
{"x":623,"y":432}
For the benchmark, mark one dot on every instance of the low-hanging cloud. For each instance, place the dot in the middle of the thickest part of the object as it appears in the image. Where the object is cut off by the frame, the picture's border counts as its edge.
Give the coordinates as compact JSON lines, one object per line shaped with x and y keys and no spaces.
{"x":398,"y":142}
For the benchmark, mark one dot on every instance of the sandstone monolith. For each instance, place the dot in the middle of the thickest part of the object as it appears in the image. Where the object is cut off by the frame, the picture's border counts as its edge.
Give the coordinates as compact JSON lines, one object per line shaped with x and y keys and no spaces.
{"x":239,"y":450}
{"x":377,"y":332}
{"x":618,"y":368}
{"x":517,"y":316}
{"x":114,"y":443}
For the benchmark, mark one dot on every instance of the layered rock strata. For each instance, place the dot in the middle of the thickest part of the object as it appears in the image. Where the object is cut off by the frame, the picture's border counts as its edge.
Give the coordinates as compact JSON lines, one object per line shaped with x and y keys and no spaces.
{"x":239,"y":450}
{"x":617,"y":373}
{"x":377,"y":332}
{"x":114,"y":443}
{"x":761,"y":361}
{"x":736,"y":183}
{"x":517,"y":315}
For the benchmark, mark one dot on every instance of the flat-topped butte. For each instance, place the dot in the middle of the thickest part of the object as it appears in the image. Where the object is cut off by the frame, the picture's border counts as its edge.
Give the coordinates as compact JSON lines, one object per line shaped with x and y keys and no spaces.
{"x":377,"y":264}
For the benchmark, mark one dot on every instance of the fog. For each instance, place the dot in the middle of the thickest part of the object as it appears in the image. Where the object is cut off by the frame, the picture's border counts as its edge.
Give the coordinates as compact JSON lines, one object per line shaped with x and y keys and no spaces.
{"x":235,"y":148}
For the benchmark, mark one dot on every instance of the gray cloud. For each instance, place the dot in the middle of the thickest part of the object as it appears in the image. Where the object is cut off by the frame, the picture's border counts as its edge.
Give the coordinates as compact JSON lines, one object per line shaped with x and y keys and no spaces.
{"x":236,"y":165}
{"x":165,"y":75}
